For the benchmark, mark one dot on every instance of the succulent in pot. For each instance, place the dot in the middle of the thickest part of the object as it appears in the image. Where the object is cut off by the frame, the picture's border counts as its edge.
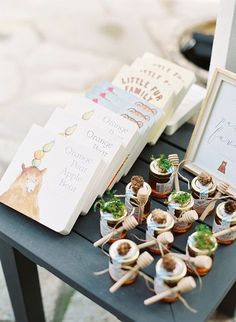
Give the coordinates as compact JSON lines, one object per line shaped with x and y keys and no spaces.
{"x":113,"y":212}
{"x":161,"y":176}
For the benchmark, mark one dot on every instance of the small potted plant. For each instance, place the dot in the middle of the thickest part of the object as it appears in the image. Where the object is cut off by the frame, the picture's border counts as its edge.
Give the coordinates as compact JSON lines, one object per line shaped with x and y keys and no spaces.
{"x":225,"y":218}
{"x":113,"y":212}
{"x":180,"y":202}
{"x":131,"y":191}
{"x":201,"y":242}
{"x":161,"y":178}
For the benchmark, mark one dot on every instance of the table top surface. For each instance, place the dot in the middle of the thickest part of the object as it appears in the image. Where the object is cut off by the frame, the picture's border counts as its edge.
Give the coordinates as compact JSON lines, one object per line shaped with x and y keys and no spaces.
{"x":74,"y":259}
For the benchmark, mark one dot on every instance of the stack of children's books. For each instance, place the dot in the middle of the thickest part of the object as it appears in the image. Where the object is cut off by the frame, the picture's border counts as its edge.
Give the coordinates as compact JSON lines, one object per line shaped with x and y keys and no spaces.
{"x":84,"y":149}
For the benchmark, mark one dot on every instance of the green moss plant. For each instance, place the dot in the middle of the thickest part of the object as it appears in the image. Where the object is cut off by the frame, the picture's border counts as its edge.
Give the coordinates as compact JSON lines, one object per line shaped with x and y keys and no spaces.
{"x":162,"y":162}
{"x":113,"y":205}
{"x":203,"y":238}
{"x":181,"y":198}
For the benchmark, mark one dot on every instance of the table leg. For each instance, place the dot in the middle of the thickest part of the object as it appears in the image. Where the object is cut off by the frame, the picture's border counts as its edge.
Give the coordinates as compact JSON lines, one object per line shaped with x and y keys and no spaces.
{"x":228,"y":305}
{"x":22,"y":280}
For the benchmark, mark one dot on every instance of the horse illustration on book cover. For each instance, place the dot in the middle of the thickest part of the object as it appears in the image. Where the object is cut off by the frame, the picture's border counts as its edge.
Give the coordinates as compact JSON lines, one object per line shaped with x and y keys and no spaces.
{"x":22,"y":194}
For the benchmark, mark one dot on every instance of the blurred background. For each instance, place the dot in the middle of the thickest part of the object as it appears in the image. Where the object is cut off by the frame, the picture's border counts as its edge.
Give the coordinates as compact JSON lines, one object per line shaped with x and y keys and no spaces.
{"x":51,"y":50}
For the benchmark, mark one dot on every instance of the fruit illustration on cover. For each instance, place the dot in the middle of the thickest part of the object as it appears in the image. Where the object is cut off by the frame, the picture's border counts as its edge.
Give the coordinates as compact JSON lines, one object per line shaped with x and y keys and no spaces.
{"x":22,"y":194}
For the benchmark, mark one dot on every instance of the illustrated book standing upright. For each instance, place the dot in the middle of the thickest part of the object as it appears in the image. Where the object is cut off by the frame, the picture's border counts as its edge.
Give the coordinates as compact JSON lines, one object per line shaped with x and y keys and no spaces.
{"x":49,"y":179}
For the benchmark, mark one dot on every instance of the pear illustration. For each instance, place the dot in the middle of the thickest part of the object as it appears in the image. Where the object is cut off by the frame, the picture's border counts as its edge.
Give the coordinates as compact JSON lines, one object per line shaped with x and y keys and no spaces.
{"x":86,"y":116}
{"x":70,"y":130}
{"x":47,"y":147}
{"x":36,"y":163}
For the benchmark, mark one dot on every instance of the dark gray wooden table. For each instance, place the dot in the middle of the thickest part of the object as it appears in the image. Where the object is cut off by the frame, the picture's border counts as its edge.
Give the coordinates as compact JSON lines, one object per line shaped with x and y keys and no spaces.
{"x":25,"y":244}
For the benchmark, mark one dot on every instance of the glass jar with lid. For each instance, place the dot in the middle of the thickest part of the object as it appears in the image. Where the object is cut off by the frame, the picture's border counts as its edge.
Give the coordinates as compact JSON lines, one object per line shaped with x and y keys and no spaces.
{"x":131,"y":191}
{"x":225,"y":217}
{"x":201,"y":242}
{"x":169,"y":271}
{"x":161,"y":177}
{"x":123,"y":256}
{"x":158,"y":222}
{"x":180,"y":202}
{"x":203,"y":187}
{"x":112,"y":214}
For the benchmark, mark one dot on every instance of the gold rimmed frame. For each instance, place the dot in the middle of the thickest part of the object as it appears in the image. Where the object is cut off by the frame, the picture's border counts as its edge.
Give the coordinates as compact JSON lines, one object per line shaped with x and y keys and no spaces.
{"x":223,"y":82}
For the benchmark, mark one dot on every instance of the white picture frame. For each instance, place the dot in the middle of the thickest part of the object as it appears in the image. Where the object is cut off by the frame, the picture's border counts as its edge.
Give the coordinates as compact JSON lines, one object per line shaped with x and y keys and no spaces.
{"x":212,"y":147}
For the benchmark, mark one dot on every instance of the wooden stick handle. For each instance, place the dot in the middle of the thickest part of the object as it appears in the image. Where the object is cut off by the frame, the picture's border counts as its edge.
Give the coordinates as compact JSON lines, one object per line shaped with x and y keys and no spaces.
{"x":222,"y":189}
{"x":143,"y":261}
{"x":188,"y":217}
{"x":129,"y":223}
{"x":225,"y":231}
{"x":181,"y":256}
{"x":199,"y":261}
{"x":210,"y":207}
{"x":123,"y":279}
{"x":186,"y":284}
{"x":177,"y":186}
{"x":174,"y":160}
{"x":164,"y":238}
{"x":147,"y":244}
{"x":108,"y":236}
{"x":160,"y":296}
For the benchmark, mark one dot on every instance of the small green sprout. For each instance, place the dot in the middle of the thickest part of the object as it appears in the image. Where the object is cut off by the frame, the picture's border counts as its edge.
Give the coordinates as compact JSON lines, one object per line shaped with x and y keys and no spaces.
{"x":114,"y":205}
{"x":203,"y":238}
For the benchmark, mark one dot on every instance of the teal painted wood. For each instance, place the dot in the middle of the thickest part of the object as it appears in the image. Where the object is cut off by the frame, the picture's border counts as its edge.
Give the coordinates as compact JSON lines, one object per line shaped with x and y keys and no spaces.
{"x":74,"y":259}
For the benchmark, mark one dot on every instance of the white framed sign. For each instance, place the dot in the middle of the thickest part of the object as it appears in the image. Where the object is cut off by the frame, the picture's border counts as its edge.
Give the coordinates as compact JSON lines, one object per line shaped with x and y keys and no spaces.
{"x":212,"y":147}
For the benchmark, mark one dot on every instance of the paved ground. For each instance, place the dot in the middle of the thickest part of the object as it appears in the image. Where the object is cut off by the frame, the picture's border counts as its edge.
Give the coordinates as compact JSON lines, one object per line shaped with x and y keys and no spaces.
{"x":52,"y":49}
